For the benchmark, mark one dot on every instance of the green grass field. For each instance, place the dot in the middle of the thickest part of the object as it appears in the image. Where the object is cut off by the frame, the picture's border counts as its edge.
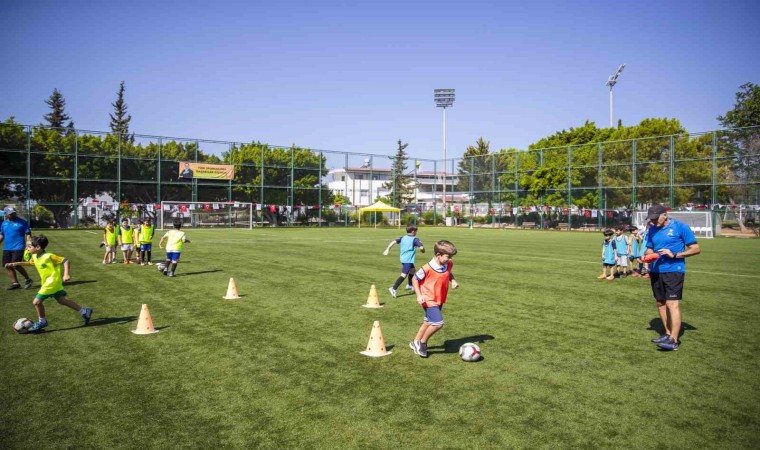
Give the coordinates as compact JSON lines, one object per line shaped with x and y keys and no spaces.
{"x":568,"y":362}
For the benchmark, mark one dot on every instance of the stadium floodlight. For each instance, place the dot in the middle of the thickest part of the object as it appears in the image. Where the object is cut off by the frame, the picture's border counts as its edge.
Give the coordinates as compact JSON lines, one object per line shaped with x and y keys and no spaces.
{"x":611,"y":82}
{"x":444,"y":98}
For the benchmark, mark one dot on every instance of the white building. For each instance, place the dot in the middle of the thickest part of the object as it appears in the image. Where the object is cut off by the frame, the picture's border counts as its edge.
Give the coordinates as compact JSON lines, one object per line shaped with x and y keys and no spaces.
{"x":362,"y":185}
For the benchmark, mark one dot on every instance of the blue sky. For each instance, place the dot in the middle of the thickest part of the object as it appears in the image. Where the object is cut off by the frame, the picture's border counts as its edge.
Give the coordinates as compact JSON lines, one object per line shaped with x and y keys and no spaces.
{"x":357,"y":76}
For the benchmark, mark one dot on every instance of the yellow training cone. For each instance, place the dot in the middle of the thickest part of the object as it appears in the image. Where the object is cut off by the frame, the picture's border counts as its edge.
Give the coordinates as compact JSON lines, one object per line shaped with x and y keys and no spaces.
{"x":372,"y":300}
{"x":232,"y":293}
{"x":145,"y":324}
{"x":376,"y":344}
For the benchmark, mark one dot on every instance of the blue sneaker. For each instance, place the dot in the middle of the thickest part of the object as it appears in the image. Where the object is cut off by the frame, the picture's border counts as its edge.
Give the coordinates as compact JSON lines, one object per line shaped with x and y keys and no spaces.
{"x":661,"y":339}
{"x":38,"y":326}
{"x":670,"y":345}
{"x":86,"y":315}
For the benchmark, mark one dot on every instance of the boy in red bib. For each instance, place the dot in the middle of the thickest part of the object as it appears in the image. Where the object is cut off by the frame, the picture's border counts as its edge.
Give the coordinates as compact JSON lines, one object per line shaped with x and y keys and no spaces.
{"x":431,"y":284}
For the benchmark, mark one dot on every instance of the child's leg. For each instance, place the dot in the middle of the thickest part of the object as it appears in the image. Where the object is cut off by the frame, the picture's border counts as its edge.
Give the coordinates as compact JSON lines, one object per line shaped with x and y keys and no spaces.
{"x":421,"y":331}
{"x":399,"y":280}
{"x":70,"y":303}
{"x":40,"y":308}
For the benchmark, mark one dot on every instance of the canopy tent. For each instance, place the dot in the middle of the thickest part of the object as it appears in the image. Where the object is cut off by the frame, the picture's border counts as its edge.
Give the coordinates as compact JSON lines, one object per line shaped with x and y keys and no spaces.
{"x":379,"y":206}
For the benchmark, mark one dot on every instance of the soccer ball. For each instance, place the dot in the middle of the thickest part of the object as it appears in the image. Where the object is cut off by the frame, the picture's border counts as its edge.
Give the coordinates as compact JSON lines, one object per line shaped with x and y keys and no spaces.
{"x":21,"y":326}
{"x":469,"y":352}
{"x":160,"y":266}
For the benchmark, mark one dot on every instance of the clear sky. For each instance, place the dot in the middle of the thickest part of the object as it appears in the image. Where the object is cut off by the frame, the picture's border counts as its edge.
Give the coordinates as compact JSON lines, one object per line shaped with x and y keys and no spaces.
{"x":357,"y":76}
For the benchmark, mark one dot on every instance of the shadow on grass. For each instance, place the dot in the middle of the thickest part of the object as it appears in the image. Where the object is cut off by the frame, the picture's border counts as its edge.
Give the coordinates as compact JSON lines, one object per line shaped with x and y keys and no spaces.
{"x":187,"y":274}
{"x":97,"y":323}
{"x":452,"y":345}
{"x":656,"y":325}
{"x":74,"y":283}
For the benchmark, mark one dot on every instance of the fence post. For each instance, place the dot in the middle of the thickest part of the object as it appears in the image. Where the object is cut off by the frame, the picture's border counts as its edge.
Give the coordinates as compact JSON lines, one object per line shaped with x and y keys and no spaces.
{"x":76,"y":179}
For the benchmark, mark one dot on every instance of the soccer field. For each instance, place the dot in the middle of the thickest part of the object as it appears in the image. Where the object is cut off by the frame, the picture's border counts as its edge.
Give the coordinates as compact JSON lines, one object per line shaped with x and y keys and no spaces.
{"x":567,"y":358}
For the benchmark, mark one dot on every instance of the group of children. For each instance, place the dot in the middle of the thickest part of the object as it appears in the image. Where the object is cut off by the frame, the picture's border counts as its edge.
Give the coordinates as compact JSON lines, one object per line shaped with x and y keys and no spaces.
{"x":130,"y":239}
{"x":620,"y":251}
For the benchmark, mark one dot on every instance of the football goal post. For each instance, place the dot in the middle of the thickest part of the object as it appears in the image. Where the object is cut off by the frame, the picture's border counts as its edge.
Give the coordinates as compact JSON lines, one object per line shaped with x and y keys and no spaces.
{"x":700,"y":222}
{"x":206,"y":214}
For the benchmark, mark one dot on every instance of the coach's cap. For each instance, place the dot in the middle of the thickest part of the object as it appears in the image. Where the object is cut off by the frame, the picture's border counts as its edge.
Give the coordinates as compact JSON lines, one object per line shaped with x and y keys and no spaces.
{"x":8,"y":210}
{"x":654,"y":212}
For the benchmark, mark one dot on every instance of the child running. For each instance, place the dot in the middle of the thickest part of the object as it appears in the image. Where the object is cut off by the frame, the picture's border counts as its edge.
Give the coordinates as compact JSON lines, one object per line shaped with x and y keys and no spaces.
{"x":608,"y":256}
{"x":431,"y":284}
{"x":174,"y":240}
{"x":145,"y":238}
{"x":49,"y":267}
{"x":408,"y":251}
{"x":109,"y":241}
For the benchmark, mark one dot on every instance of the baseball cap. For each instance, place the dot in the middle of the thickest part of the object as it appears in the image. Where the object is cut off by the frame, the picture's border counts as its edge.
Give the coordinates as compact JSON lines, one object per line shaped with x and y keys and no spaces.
{"x":9,"y":210}
{"x":654,"y":212}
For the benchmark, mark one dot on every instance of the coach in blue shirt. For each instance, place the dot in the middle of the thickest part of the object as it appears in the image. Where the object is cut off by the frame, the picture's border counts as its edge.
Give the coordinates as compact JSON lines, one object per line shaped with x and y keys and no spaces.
{"x":674,"y":241}
{"x":13,"y":235}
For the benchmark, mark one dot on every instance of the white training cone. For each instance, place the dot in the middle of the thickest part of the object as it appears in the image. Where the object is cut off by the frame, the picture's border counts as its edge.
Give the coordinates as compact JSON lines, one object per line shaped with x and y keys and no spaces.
{"x":372,"y":300}
{"x":232,"y":293}
{"x":145,"y":323}
{"x":376,"y":344}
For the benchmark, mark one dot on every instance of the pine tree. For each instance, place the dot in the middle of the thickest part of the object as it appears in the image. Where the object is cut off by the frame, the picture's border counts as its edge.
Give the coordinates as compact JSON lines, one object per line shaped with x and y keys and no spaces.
{"x":57,"y":116}
{"x":120,"y":120}
{"x":400,"y":184}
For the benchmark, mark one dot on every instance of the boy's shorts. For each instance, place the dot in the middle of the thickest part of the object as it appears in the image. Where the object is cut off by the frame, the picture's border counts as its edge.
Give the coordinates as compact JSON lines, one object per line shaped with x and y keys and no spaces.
{"x":110,"y":248}
{"x":433,"y":315}
{"x":146,"y":247}
{"x":127,"y":247}
{"x":608,"y":265}
{"x":407,"y":267}
{"x":622,"y":260}
{"x":174,"y":256}
{"x":56,"y":295}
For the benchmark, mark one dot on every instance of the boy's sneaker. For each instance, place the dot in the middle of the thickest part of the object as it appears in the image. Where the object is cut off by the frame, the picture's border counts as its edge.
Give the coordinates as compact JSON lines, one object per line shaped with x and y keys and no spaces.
{"x":166,"y":272}
{"x":409,"y":287}
{"x":601,"y":277}
{"x":415,"y":346}
{"x":670,"y":345}
{"x":37,"y":326}
{"x":27,"y":283}
{"x":423,"y":349}
{"x":86,"y":315}
{"x":635,"y":274}
{"x":150,"y":263}
{"x":392,"y":291}
{"x":611,"y":277}
{"x":171,"y":274}
{"x":662,"y":338}
{"x":18,"y":286}
{"x":646,"y":275}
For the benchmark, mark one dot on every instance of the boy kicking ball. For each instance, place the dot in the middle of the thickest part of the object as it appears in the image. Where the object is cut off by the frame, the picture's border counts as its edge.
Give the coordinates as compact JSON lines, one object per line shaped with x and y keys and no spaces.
{"x":174,"y":240}
{"x":49,"y":267}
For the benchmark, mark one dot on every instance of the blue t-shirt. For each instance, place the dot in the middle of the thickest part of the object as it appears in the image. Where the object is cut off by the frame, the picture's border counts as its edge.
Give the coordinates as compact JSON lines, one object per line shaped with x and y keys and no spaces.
{"x":407,"y":245}
{"x":609,"y":251}
{"x":14,"y":232}
{"x":674,"y":236}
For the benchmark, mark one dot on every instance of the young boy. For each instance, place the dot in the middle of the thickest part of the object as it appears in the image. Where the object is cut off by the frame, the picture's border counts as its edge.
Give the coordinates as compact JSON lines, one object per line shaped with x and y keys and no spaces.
{"x":174,"y":240}
{"x":49,"y":267}
{"x":637,"y":251}
{"x":608,"y":256}
{"x":109,"y":240}
{"x":622,"y":248}
{"x":407,"y":250}
{"x":126,"y":240}
{"x":431,"y":284}
{"x":145,"y":238}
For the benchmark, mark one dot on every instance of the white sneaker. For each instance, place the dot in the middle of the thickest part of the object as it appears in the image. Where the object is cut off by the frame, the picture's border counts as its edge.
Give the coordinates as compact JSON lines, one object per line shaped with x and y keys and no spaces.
{"x":409,"y":287}
{"x":392,"y":291}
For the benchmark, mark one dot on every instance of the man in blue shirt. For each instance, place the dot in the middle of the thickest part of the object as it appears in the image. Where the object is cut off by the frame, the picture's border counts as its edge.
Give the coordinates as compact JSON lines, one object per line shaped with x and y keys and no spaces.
{"x":14,"y":233}
{"x":674,"y":241}
{"x":408,"y":248}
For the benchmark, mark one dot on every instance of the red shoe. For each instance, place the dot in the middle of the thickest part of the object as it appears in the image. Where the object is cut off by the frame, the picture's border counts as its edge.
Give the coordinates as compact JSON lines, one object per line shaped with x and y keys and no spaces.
{"x":646,"y":275}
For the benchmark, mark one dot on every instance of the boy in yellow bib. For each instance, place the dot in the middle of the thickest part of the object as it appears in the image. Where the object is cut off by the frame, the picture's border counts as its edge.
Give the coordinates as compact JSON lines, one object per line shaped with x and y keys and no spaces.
{"x":126,"y":240}
{"x":109,"y":241}
{"x":49,"y":267}
{"x":174,"y":240}
{"x":145,"y":239}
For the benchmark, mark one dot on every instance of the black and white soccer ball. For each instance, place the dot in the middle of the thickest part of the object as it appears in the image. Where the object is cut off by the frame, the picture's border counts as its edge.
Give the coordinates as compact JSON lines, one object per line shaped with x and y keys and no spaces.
{"x":470,"y":352}
{"x":160,"y":266}
{"x":21,"y":326}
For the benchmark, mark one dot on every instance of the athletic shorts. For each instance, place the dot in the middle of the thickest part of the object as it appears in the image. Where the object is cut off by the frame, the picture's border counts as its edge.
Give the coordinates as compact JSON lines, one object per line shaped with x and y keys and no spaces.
{"x":110,"y":248}
{"x":622,"y":260}
{"x":172,"y":256}
{"x":12,"y":256}
{"x":667,"y":285}
{"x":56,"y":296}
{"x":607,"y":265}
{"x":146,"y":247}
{"x":407,"y":267}
{"x":433,"y":315}
{"x":126,"y":247}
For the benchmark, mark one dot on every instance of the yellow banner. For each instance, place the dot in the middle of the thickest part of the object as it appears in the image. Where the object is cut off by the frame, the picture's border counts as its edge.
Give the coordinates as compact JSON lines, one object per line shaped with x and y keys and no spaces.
{"x":190,"y":170}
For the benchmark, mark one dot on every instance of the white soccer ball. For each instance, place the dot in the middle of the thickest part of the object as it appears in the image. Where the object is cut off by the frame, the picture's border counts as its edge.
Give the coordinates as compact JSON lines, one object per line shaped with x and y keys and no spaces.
{"x":469,"y":352}
{"x":21,"y":326}
{"x":160,"y":266}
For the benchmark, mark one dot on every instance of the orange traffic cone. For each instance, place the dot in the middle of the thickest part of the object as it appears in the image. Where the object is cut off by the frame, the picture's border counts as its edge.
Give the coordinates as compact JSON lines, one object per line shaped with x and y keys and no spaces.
{"x":145,"y":324}
{"x":232,"y":293}
{"x":372,"y":300}
{"x":376,"y":344}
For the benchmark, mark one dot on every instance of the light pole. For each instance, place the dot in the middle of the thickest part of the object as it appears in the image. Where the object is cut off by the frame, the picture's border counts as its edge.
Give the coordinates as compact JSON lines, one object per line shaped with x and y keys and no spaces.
{"x":611,"y":82}
{"x":444,"y":98}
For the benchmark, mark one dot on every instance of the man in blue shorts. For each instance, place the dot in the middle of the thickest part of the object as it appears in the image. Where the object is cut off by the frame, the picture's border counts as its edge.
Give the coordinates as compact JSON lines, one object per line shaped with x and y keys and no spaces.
{"x":14,"y":232}
{"x":674,"y":241}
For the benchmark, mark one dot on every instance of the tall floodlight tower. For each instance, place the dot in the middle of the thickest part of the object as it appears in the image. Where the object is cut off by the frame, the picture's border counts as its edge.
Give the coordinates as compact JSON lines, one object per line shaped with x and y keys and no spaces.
{"x":611,"y":83}
{"x":444,"y":98}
